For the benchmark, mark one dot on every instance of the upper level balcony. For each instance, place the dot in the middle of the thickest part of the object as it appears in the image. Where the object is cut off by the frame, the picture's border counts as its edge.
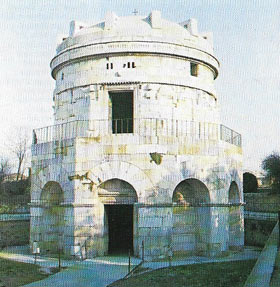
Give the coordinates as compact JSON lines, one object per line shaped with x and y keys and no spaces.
{"x":145,"y":127}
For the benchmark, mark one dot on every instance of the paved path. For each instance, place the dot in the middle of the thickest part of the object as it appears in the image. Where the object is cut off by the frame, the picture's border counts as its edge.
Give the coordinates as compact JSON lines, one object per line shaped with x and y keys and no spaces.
{"x":98,"y":272}
{"x":102,"y":271}
{"x":91,"y":274}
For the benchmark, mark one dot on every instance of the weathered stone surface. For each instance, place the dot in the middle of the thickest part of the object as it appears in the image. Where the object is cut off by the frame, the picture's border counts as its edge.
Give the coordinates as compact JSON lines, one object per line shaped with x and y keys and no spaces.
{"x":171,"y":159}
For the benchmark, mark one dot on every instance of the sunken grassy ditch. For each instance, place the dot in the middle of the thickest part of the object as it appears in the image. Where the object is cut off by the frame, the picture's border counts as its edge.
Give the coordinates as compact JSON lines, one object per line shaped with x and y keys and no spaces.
{"x":233,"y":274}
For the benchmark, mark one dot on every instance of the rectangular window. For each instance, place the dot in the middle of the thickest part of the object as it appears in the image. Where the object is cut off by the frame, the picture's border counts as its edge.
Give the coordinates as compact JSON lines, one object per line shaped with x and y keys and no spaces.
{"x":194,"y":69}
{"x":122,"y":112}
{"x":128,"y":64}
{"x":133,"y":65}
{"x":107,"y":66}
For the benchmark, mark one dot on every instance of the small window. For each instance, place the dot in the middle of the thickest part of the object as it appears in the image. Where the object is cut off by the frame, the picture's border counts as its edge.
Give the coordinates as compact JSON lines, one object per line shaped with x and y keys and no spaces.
{"x":107,"y":66}
{"x":194,"y":69}
{"x":62,"y":76}
{"x":111,"y":65}
{"x":128,"y":64}
{"x":71,"y":96}
{"x":133,"y":65}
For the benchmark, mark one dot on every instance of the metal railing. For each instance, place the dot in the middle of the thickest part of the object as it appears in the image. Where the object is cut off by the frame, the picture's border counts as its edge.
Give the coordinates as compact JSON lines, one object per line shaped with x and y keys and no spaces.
{"x":143,"y":127}
{"x":230,"y":136}
{"x":60,"y":131}
{"x":122,"y":126}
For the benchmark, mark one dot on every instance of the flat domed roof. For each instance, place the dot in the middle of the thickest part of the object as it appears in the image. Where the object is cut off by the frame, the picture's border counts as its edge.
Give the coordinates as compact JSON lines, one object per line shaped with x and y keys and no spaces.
{"x":133,"y":28}
{"x":138,"y":25}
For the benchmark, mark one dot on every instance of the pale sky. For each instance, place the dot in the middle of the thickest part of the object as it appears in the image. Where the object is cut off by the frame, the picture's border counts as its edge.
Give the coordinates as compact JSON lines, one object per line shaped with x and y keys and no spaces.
{"x":246,"y":41}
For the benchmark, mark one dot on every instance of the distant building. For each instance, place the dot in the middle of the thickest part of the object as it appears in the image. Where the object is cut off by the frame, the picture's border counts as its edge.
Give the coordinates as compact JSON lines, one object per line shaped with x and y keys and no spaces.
{"x":137,"y":155}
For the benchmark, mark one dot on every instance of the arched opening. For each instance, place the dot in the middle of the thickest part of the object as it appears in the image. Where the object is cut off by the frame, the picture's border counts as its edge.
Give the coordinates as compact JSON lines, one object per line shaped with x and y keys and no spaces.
{"x":235,"y":238}
{"x":191,"y":217}
{"x":52,"y":217}
{"x":233,"y":196}
{"x":118,"y":197}
{"x":250,"y":183}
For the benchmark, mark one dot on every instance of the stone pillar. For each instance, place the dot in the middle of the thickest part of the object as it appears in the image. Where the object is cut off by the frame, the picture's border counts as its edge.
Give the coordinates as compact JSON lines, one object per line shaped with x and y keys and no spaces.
{"x":90,"y":230}
{"x":183,"y":232}
{"x":35,"y":226}
{"x":154,"y":224}
{"x":218,"y":240}
{"x":236,"y":227}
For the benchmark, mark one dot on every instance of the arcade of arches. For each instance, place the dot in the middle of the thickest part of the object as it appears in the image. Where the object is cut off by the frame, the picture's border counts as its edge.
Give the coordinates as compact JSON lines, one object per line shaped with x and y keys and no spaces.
{"x":117,"y":222}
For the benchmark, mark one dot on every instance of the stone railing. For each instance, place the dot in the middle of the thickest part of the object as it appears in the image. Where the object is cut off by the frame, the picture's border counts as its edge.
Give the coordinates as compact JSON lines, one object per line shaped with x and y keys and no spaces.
{"x":151,"y":127}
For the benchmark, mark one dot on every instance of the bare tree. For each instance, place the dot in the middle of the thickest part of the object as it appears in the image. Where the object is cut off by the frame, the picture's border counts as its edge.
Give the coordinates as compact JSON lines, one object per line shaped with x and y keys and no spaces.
{"x":19,"y":147}
{"x":5,"y":167}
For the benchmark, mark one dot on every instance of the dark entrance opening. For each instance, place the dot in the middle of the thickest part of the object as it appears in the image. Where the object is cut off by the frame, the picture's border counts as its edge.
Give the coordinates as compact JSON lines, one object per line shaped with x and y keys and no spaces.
{"x":120,"y":225}
{"x":122,"y":112}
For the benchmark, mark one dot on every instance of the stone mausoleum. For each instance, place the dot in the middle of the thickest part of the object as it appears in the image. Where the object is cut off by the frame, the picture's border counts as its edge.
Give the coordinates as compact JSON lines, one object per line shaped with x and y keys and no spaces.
{"x":137,"y":158}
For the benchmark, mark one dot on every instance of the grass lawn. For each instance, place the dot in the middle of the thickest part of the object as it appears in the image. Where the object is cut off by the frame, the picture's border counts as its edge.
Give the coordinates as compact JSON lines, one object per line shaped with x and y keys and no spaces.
{"x":228,"y":274}
{"x":14,"y":273}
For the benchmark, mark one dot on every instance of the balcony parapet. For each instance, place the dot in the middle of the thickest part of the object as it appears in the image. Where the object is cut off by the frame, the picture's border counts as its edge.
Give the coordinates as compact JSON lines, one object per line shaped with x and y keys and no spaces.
{"x":151,"y":127}
{"x":230,"y":136}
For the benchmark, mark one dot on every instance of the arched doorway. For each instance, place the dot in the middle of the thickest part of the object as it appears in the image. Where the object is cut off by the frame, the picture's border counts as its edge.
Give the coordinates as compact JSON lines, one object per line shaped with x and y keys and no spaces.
{"x":118,"y":197}
{"x":191,"y":217}
{"x":52,"y":217}
{"x":250,"y":183}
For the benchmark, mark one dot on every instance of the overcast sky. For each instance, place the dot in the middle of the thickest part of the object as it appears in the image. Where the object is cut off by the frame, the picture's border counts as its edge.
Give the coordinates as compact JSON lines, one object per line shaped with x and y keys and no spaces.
{"x":246,"y":41}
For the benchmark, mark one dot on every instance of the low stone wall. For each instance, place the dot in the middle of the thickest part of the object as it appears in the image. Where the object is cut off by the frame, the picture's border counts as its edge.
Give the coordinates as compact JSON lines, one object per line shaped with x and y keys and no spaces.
{"x":13,"y":233}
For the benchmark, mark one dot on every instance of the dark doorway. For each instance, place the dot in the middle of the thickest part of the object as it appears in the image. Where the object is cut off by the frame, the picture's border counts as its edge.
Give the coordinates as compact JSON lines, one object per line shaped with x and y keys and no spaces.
{"x":120,"y":225}
{"x":122,"y":112}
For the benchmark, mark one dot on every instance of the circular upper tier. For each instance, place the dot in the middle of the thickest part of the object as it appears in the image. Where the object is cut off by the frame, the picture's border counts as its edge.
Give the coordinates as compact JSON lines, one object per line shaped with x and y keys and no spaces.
{"x":130,"y":35}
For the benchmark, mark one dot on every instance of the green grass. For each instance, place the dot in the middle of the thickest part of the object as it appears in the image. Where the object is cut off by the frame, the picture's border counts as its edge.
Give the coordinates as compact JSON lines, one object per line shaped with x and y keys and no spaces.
{"x":14,"y":273}
{"x":14,"y":233}
{"x":263,"y":201}
{"x":228,"y":274}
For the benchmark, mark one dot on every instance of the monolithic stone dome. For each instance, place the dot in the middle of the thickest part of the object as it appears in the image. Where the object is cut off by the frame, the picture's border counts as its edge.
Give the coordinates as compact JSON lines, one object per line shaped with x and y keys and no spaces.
{"x":137,"y":158}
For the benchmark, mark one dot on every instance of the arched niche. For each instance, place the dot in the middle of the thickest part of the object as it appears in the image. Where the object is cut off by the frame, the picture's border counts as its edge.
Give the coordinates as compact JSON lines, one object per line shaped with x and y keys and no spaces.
{"x":235,"y":217}
{"x":191,"y":217}
{"x":52,"y":194}
{"x":191,"y":192}
{"x":52,"y":217}
{"x":233,"y":194}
